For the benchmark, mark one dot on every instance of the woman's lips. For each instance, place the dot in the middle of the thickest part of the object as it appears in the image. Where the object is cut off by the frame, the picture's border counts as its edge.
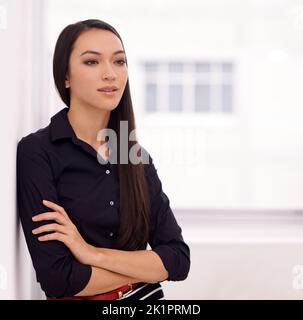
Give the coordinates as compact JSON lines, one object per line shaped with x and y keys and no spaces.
{"x":108,"y":93}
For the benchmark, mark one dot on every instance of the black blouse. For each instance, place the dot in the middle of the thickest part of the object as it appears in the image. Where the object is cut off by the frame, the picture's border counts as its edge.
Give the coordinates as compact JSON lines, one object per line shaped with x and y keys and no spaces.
{"x":53,"y":164}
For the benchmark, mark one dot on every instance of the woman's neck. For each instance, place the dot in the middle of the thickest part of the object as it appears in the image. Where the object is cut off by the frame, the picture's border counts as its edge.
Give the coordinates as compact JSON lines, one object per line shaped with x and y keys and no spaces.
{"x":87,"y":122}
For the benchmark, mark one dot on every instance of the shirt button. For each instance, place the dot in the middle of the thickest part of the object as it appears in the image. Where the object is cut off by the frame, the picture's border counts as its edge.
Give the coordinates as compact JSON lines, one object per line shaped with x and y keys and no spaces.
{"x":111,"y":203}
{"x":107,"y":171}
{"x":111,"y":234}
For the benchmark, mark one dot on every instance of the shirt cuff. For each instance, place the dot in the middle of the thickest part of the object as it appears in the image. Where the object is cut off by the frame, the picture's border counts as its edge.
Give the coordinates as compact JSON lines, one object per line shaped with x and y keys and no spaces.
{"x":168,"y":256}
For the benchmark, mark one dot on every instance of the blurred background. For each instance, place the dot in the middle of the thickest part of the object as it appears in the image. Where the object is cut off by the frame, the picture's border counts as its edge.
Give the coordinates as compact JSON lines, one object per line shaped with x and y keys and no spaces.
{"x":217,"y":93}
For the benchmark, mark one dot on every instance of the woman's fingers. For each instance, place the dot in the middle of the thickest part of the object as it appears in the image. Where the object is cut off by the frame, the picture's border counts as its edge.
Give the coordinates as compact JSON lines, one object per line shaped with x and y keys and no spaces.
{"x":50,"y":227}
{"x":55,"y":207}
{"x":53,"y":236}
{"x":56,"y":216}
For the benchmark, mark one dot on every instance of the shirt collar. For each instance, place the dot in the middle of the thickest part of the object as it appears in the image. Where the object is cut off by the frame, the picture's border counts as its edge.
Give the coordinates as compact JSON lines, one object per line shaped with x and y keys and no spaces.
{"x":60,"y":126}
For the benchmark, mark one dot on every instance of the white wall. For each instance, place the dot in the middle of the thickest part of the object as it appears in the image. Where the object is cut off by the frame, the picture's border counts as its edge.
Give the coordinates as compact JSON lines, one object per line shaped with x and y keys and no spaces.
{"x":22,"y":87}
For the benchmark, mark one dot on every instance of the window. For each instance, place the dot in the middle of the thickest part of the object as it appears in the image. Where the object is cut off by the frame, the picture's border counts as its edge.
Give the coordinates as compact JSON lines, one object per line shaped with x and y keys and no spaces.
{"x":197,"y":87}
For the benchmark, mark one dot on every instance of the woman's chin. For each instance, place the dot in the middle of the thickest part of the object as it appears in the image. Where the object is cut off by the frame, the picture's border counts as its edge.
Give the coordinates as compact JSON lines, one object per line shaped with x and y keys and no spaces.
{"x":107,"y":107}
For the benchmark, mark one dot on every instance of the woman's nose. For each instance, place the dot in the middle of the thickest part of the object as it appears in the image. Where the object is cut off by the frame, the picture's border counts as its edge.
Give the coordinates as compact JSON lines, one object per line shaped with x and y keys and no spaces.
{"x":108,"y":72}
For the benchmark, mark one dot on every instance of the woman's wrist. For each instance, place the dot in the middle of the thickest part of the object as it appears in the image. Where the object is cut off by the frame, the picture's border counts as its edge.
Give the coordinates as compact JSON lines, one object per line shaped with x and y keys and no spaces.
{"x":94,"y":256}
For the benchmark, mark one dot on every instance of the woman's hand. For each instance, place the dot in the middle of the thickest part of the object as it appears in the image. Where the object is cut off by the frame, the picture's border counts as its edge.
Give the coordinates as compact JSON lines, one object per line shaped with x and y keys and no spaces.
{"x":64,"y":231}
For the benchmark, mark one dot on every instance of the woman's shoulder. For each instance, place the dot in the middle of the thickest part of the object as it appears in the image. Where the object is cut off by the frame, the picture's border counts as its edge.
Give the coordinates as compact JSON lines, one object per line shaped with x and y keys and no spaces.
{"x":34,"y":142}
{"x":145,"y":156}
{"x":148,"y":163}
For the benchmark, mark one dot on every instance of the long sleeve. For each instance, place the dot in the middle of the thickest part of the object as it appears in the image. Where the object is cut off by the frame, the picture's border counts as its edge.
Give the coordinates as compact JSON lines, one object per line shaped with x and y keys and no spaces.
{"x":56,"y":269}
{"x":166,"y":235}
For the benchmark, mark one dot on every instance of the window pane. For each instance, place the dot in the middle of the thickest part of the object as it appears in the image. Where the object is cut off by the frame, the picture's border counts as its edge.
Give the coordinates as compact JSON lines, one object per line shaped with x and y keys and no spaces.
{"x":227,"y":67}
{"x":151,"y":66}
{"x":175,"y":67}
{"x":202,"y":67}
{"x":202,"y":98}
{"x":175,"y":97}
{"x":151,"y":97}
{"x":227,"y":98}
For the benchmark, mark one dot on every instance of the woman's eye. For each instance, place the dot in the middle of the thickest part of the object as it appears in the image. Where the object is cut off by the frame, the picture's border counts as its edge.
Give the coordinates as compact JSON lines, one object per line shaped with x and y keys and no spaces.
{"x":89,"y":62}
{"x":93,"y":62}
{"x":119,"y":62}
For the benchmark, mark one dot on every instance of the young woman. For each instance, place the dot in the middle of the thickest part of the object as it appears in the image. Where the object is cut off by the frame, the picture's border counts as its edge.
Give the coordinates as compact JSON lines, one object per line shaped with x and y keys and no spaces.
{"x":87,"y":220}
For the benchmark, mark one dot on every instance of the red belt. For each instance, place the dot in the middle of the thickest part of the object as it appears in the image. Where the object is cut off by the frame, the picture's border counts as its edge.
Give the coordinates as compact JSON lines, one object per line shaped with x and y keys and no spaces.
{"x":110,"y":295}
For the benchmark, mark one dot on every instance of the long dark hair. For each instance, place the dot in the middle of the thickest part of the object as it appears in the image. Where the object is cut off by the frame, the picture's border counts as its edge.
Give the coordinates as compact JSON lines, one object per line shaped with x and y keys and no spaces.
{"x":134,"y":196}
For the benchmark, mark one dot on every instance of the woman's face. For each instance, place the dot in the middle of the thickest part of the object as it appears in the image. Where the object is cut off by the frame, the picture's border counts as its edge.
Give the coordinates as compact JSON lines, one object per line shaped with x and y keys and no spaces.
{"x":90,"y":71}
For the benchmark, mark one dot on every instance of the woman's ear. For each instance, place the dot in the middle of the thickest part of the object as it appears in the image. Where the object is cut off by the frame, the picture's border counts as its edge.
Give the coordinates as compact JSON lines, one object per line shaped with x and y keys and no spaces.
{"x":67,"y":84}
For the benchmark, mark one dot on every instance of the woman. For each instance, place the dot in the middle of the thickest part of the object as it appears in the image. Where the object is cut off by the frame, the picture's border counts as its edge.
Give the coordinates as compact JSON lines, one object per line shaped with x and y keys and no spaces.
{"x":87,"y":220}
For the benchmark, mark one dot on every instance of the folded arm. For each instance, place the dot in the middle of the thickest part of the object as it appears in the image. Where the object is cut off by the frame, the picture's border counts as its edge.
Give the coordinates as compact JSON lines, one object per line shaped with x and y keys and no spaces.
{"x":144,"y":265}
{"x":103,"y":281}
